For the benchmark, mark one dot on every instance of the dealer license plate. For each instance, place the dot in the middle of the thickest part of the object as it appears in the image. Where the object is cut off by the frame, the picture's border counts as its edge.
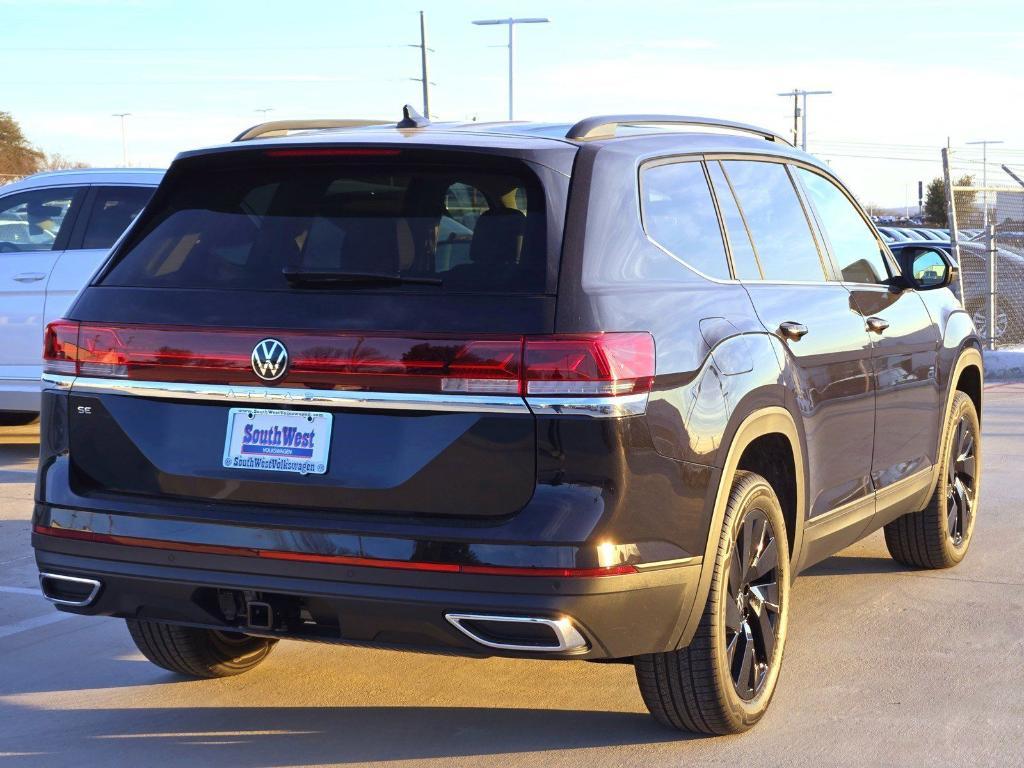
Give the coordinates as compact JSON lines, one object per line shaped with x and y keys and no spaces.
{"x":277,"y":441}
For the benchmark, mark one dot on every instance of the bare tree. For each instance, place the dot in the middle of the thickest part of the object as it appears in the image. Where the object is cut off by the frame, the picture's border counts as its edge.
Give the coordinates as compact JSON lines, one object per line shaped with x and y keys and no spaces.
{"x":57,"y":162}
{"x":17,"y":157}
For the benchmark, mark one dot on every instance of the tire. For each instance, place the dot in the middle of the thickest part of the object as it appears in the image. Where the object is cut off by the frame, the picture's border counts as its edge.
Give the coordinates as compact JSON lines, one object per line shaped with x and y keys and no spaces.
{"x":938,"y":536}
{"x":693,"y":688}
{"x":202,"y":653}
{"x":17,"y":418}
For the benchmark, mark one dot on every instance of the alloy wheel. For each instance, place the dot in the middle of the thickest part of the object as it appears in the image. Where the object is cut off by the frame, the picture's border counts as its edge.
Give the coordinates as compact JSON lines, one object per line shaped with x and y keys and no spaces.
{"x":961,"y":480}
{"x":752,"y":604}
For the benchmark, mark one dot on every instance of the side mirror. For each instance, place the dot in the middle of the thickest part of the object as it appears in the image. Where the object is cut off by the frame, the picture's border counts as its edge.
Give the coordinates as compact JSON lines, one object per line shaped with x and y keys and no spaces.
{"x":927,"y":268}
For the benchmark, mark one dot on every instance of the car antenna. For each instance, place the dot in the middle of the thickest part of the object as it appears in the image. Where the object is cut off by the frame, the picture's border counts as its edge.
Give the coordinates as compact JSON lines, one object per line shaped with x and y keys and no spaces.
{"x":412,"y":119}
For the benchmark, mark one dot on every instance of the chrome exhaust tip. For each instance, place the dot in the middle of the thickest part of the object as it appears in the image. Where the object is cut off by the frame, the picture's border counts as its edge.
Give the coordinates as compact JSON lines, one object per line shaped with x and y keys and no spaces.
{"x":525,"y":633}
{"x":72,"y":591}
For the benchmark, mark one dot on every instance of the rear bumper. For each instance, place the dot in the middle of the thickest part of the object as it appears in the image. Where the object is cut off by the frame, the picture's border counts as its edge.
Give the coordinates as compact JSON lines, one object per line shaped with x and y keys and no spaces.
{"x":618,"y":616}
{"x":21,"y":395}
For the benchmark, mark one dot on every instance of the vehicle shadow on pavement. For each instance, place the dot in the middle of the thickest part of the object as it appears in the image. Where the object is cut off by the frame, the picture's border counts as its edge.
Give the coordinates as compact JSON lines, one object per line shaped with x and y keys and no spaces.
{"x":294,"y":736}
{"x":855,"y":565}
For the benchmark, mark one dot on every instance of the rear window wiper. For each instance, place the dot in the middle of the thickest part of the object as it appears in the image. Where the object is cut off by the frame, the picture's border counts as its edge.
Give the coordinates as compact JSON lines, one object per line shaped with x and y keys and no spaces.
{"x":313,"y":277}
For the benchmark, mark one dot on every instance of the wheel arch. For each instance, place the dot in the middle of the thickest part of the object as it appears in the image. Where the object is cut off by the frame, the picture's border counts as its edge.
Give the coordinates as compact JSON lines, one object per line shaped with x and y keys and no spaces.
{"x":757,"y":435}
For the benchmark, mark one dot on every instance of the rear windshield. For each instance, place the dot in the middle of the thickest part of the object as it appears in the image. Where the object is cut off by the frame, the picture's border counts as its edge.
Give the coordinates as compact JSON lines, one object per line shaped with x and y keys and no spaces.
{"x":314,"y":223}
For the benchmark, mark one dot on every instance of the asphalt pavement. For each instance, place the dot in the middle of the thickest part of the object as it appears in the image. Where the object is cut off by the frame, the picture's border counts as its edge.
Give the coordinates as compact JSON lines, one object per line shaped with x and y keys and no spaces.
{"x":884,"y":666}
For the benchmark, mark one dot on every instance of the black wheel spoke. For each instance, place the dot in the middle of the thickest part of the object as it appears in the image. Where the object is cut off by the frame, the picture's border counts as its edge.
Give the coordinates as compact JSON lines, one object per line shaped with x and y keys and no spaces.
{"x":733,"y":617}
{"x":766,"y":633}
{"x":966,"y":466}
{"x":766,"y":561}
{"x":746,"y":672}
{"x":963,"y":498}
{"x":746,"y":547}
{"x":735,"y":577}
{"x":768,"y":594}
{"x":730,"y":649}
{"x":953,"y":516}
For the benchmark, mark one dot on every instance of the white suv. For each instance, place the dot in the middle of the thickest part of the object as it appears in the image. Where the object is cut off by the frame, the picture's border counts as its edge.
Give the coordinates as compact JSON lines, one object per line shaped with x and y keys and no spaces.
{"x":55,"y":230}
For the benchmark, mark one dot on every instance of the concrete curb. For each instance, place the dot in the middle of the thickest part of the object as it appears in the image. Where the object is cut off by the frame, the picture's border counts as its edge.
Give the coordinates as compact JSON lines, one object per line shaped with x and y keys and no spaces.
{"x":1004,"y":364}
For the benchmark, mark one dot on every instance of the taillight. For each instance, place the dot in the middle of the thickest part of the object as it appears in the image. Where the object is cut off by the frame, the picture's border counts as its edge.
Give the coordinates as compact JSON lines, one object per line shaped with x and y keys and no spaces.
{"x":60,"y":347}
{"x":602,"y":364}
{"x":589,"y":365}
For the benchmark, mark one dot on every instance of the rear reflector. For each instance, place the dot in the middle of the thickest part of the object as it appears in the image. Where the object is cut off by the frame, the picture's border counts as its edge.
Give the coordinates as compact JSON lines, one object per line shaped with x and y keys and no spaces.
{"x":605,"y":364}
{"x":621,"y":569}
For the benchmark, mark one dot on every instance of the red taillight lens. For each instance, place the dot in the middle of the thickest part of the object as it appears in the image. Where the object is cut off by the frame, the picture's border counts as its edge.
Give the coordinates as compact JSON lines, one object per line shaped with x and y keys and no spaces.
{"x":60,"y":347}
{"x":597,"y":364}
{"x":582,"y":365}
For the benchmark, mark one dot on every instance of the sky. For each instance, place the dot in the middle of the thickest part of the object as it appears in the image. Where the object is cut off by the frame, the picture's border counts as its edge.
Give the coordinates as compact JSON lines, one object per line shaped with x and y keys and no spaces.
{"x":906,"y":75}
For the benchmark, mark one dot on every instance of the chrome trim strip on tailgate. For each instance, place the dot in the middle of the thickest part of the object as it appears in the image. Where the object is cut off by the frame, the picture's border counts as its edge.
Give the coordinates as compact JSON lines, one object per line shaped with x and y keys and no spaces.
{"x":601,"y":407}
{"x":240,"y":395}
{"x":596,"y":407}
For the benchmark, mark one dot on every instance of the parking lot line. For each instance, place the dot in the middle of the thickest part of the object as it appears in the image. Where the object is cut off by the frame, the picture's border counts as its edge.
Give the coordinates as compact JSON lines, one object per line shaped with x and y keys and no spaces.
{"x":34,"y":623}
{"x":21,"y":590}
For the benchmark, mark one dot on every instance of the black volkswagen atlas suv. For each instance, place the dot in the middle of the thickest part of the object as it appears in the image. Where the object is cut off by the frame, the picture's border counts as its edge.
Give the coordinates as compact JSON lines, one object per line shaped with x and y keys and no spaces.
{"x":593,"y":392}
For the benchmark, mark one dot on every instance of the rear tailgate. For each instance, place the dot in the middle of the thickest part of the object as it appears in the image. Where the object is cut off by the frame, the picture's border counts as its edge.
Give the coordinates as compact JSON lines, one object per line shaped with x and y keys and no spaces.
{"x":399,"y":286}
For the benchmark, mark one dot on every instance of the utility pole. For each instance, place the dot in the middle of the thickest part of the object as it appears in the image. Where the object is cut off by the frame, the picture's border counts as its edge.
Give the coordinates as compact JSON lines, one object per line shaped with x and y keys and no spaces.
{"x":511,"y":49}
{"x":424,"y":69}
{"x":801,"y":112}
{"x":124,"y":136}
{"x":984,"y":173}
{"x":263,"y":111}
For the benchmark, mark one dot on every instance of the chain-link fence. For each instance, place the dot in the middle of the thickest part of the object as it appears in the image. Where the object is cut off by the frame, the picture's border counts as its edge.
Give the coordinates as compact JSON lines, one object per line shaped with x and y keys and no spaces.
{"x":985,"y":201}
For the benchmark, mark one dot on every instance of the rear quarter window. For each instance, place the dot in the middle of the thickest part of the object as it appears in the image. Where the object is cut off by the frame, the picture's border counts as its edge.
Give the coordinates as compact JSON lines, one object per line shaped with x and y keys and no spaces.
{"x":679,"y":215}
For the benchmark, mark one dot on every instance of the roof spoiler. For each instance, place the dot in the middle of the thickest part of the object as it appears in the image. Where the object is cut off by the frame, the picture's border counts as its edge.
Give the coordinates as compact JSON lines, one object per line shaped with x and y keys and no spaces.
{"x":603,"y":126}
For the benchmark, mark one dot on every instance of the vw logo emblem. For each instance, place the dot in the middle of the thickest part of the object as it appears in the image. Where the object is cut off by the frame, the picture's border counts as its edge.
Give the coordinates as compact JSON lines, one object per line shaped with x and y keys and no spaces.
{"x":270,"y":360}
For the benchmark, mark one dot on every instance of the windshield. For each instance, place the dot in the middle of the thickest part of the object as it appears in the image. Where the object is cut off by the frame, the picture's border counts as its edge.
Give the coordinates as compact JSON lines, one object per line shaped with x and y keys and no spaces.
{"x":268,"y":225}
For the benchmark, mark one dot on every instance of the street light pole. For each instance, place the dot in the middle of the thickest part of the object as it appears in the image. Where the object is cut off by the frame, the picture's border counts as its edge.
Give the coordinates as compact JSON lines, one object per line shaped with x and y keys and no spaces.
{"x":511,"y":50}
{"x":984,"y":173}
{"x":796,"y":92}
{"x":124,"y":136}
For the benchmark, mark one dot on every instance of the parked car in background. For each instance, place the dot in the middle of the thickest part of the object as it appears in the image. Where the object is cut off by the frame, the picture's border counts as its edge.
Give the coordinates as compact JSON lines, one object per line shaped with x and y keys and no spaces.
{"x":56,"y":229}
{"x":1009,"y":326}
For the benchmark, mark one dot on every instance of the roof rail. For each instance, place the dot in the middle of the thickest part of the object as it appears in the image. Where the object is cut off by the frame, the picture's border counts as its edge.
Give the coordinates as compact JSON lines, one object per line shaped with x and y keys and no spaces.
{"x":603,"y":126}
{"x":283,"y":127}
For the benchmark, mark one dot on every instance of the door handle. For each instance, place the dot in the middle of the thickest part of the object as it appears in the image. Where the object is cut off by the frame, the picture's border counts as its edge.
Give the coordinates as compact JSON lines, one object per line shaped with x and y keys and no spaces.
{"x":877,"y":324}
{"x":793,"y":331}
{"x":30,"y":277}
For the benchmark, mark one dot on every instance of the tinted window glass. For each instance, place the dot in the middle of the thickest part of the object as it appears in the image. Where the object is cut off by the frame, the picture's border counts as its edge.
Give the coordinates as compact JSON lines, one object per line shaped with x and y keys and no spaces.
{"x":325,"y":222}
{"x":744,"y":260}
{"x":113,"y":209}
{"x":853,"y":244}
{"x":32,"y":221}
{"x":776,"y":220}
{"x":679,"y":215}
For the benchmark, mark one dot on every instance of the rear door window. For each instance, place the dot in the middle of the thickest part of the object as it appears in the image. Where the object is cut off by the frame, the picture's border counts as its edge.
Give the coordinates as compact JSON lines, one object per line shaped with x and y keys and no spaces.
{"x":34,"y":220}
{"x":679,"y":215}
{"x":113,"y":209}
{"x":283,"y":224}
{"x":856,"y":250}
{"x":776,"y":220}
